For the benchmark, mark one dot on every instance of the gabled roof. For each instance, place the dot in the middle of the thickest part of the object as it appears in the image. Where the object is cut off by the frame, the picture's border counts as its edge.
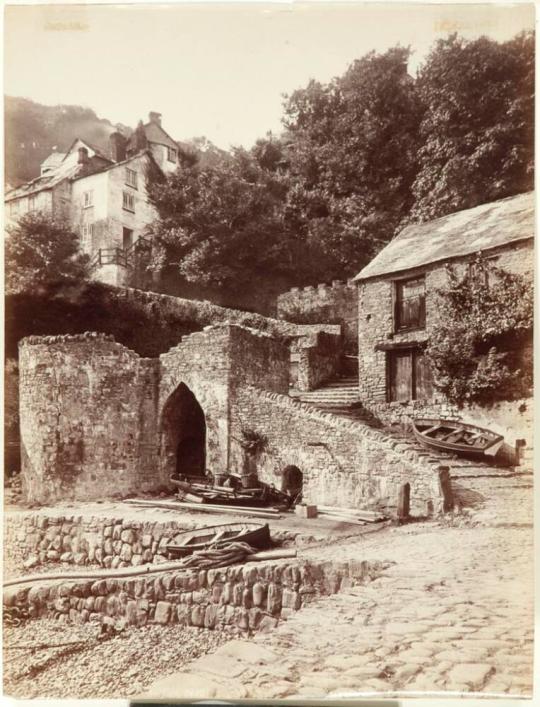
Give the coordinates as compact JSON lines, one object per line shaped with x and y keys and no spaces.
{"x":155,"y":133}
{"x":53,"y":160}
{"x":86,"y":144}
{"x":113,"y":165}
{"x":462,"y":233}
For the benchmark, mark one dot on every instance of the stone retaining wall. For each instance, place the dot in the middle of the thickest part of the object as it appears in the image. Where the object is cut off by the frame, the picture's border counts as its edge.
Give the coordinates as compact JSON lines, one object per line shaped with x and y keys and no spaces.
{"x":240,"y":598}
{"x":32,"y":539}
{"x":344,"y":462}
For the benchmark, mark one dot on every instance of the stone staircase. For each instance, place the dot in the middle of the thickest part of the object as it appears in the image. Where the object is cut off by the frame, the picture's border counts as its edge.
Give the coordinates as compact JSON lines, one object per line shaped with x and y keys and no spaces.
{"x":471,"y":480}
{"x":339,"y":397}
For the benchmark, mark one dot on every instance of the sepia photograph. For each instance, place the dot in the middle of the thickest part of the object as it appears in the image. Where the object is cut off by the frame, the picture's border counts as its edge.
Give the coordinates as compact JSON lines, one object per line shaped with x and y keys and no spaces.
{"x":268,"y":355}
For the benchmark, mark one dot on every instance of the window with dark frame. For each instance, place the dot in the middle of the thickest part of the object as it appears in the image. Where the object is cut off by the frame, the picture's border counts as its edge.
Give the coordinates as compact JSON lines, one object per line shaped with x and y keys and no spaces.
{"x":88,"y":199}
{"x":171,"y":154}
{"x":131,"y":178}
{"x":408,"y":376}
{"x":410,"y":304}
{"x":128,"y":201}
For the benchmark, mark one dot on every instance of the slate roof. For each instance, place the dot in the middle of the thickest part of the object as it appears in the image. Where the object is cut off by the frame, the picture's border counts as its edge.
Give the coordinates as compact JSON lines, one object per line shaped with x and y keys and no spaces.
{"x":52,"y":178}
{"x":53,"y":160}
{"x":462,"y":233}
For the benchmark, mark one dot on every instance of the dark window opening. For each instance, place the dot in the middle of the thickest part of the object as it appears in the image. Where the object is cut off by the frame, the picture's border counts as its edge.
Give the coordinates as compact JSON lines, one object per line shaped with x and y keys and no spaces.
{"x":410,"y":304}
{"x":127,"y":238}
{"x":409,"y":376}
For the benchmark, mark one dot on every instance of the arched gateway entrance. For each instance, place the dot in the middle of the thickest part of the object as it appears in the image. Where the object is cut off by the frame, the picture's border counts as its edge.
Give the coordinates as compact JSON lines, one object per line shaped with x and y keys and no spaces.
{"x":183,"y":434}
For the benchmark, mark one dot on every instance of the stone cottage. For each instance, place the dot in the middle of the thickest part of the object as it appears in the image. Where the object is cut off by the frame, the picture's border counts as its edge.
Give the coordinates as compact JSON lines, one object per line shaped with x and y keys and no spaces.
{"x":103,"y":197}
{"x":396,"y":302}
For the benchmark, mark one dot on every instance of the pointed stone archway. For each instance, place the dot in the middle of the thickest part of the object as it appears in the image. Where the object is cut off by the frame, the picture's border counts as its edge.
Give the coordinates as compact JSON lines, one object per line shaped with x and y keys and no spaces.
{"x":183,"y":435}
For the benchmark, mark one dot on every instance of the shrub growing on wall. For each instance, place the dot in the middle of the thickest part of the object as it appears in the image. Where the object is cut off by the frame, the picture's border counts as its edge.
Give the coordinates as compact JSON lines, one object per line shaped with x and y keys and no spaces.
{"x":477,"y":352}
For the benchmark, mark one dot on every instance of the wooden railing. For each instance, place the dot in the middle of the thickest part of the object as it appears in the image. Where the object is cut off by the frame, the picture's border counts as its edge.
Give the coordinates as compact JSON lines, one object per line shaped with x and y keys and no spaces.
{"x":124,"y":257}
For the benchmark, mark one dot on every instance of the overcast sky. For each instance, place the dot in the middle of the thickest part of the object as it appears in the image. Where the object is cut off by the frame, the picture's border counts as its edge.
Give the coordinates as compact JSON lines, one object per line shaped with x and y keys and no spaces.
{"x":216,"y":70}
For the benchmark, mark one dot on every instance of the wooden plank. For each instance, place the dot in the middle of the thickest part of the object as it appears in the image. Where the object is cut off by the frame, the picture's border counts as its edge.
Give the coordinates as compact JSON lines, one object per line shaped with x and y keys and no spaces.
{"x":204,"y":508}
{"x":351,"y":511}
{"x":341,"y":519}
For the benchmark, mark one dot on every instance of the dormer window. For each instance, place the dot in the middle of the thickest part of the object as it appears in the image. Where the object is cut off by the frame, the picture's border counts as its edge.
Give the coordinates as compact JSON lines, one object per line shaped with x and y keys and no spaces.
{"x":88,"y":199}
{"x":128,"y":201}
{"x":131,"y":178}
{"x":410,"y":304}
{"x":172,"y":154}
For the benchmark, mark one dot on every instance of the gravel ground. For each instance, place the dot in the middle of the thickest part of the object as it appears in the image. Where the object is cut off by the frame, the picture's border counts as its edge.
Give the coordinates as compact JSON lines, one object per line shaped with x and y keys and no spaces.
{"x":106,"y":668}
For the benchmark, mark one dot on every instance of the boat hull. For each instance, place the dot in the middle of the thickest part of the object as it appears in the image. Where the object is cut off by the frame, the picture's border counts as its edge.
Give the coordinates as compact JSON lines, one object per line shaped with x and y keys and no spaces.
{"x":487,"y":445}
{"x":255,"y":534}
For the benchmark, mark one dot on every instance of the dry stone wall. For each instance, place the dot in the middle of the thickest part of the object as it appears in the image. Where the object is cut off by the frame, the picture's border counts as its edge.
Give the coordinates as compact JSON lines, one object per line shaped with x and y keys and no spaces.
{"x":344,"y":463}
{"x":237,"y":599}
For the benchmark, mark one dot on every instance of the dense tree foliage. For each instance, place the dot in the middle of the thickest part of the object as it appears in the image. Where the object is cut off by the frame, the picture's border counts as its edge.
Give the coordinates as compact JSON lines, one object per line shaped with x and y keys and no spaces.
{"x":222,"y":224}
{"x":352,"y":146}
{"x":360,"y":157}
{"x":40,"y":249}
{"x":477,"y":353}
{"x":477,"y":129}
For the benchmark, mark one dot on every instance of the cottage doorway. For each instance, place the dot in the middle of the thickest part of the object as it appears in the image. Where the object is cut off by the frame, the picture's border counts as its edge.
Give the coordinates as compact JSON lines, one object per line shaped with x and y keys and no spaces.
{"x":183,"y":434}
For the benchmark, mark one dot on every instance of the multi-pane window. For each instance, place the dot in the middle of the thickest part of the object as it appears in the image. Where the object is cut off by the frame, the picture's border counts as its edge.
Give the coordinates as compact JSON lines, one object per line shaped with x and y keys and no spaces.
{"x":32,"y":202}
{"x":171,"y":154}
{"x":88,"y":199}
{"x":128,"y":201}
{"x":410,"y":304}
{"x":87,"y":232}
{"x":131,"y":178}
{"x":409,"y":376}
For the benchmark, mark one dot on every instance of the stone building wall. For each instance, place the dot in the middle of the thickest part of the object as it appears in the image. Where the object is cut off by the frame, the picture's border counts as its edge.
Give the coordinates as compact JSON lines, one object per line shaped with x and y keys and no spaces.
{"x":88,"y":415}
{"x":376,"y":328}
{"x":336,"y":303}
{"x":344,"y":462}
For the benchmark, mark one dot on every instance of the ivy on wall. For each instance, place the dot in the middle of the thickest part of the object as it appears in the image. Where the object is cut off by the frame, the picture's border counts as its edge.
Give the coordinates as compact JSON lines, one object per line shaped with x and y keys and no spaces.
{"x":481,"y":351}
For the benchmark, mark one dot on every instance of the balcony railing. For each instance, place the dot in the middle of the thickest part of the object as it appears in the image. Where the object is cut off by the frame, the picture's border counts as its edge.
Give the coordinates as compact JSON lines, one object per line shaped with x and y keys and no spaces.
{"x":125,"y":257}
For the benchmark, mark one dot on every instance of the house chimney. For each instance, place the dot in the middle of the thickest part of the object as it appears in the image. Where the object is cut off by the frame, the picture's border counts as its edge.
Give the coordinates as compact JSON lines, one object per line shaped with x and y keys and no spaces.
{"x":117,"y":144}
{"x":155,"y":118}
{"x":83,"y":155}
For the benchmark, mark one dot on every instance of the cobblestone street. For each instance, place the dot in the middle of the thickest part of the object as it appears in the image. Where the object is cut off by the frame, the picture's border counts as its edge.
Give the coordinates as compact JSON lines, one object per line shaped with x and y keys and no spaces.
{"x":452,"y":612}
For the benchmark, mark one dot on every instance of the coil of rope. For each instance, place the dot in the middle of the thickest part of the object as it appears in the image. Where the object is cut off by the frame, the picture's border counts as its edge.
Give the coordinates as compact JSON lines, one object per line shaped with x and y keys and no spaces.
{"x":219,"y":555}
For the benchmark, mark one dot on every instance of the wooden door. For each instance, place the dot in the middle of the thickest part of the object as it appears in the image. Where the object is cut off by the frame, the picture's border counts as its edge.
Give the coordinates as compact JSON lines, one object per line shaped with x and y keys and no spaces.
{"x":401,"y":376}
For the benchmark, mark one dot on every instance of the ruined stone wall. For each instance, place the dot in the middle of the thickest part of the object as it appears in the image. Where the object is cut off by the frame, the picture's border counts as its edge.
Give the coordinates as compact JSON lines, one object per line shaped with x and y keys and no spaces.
{"x":376,"y":327}
{"x":344,"y":462}
{"x":206,"y":313}
{"x":336,"y":304}
{"x":88,"y":418}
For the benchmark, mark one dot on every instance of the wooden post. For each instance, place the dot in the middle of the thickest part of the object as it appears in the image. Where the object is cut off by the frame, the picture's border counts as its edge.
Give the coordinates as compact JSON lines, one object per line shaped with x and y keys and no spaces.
{"x":404,"y":504}
{"x":446,"y":488}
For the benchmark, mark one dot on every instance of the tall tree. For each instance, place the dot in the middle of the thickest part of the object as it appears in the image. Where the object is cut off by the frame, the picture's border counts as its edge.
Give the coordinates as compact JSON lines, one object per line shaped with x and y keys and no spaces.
{"x":477,"y":129}
{"x":40,"y":250}
{"x":221,"y":225}
{"x":352,"y":152}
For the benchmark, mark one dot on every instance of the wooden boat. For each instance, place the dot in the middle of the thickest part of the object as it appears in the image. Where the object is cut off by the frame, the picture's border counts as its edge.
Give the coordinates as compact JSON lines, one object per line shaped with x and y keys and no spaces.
{"x":260,"y":497}
{"x":457,"y":437}
{"x":185,"y":543}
